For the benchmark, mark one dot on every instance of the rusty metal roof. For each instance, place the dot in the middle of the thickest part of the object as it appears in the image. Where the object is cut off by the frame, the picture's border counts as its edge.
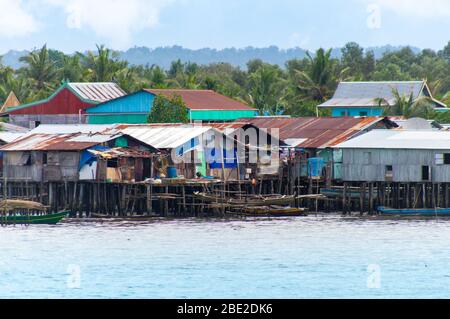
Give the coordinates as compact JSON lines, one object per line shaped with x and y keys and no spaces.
{"x":316,"y":132}
{"x":204,"y":100}
{"x":122,"y":152}
{"x":56,"y":142}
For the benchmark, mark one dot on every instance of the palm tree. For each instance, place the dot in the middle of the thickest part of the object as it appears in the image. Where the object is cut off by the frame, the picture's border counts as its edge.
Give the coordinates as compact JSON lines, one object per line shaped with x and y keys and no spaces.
{"x":102,"y":65}
{"x":317,"y":80}
{"x":40,"y":68}
{"x":406,"y":106}
{"x":10,"y":82}
{"x":267,"y":89}
{"x":71,"y":69}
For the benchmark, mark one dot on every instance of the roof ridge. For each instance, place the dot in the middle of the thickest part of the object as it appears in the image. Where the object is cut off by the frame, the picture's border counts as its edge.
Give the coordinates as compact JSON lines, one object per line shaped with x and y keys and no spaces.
{"x":378,"y":82}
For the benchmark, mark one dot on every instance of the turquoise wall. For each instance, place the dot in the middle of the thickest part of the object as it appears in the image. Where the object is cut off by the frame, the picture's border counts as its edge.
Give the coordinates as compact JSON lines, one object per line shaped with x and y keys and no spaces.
{"x":360,"y":111}
{"x":221,"y":115}
{"x":140,"y":102}
{"x":117,"y":118}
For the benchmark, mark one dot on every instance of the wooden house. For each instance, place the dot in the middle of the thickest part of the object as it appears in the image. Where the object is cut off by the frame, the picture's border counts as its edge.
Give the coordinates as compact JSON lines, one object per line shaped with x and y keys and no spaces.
{"x":362,"y":98}
{"x":202,"y":105}
{"x":67,"y":105}
{"x":40,"y":157}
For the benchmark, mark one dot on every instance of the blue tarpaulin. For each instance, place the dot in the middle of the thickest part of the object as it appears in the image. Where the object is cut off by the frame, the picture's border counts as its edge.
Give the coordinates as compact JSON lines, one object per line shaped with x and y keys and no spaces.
{"x":215,"y":162}
{"x":87,"y":157}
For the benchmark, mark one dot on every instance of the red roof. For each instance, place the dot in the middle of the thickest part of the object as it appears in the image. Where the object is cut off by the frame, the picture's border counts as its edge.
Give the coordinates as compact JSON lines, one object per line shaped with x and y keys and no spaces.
{"x":316,"y":132}
{"x":204,"y":100}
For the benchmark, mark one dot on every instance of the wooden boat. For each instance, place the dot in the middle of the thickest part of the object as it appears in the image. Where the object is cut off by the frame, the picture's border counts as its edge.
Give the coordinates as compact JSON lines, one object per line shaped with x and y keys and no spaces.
{"x":414,"y":212}
{"x":23,"y":218}
{"x":258,"y":201}
{"x":275,"y":211}
{"x":28,"y":213}
{"x":339,"y":193}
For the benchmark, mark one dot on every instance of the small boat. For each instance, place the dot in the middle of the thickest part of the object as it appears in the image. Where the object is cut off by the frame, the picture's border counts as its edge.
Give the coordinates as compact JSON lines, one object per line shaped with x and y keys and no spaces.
{"x":275,"y":211}
{"x":255,"y":201}
{"x":339,"y":193}
{"x":32,"y":219}
{"x":23,"y":212}
{"x":414,"y":212}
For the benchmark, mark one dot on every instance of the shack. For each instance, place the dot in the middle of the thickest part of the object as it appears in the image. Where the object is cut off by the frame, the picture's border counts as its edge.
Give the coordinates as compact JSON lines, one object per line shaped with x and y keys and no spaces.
{"x":401,"y":156}
{"x":308,"y":142}
{"x":41,"y":157}
{"x":259,"y":149}
{"x":67,"y":105}
{"x":202,"y":105}
{"x":190,"y":149}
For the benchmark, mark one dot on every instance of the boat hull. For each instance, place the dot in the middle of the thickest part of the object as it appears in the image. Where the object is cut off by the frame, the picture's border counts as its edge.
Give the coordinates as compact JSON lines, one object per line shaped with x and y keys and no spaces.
{"x":275,"y":212}
{"x":48,"y":219}
{"x":414,"y":212}
{"x":251,"y":202}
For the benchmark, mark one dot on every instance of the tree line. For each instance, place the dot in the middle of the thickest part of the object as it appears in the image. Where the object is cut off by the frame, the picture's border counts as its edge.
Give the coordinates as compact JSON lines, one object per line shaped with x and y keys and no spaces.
{"x":294,"y":90}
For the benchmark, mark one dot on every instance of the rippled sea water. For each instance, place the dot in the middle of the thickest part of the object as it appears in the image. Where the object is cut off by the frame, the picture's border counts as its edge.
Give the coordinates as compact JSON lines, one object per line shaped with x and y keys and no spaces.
{"x":311,"y":257}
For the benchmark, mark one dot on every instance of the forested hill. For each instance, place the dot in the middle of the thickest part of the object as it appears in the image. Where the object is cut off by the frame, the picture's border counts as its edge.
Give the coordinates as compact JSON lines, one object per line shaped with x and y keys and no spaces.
{"x":164,"y":56}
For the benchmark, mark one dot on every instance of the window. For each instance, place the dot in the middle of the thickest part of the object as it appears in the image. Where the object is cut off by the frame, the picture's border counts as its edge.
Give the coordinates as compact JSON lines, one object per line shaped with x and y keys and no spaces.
{"x":447,"y":159}
{"x":362,"y":113}
{"x":389,"y":175}
{"x":344,"y":113}
{"x":425,"y":173}
{"x":44,"y":158}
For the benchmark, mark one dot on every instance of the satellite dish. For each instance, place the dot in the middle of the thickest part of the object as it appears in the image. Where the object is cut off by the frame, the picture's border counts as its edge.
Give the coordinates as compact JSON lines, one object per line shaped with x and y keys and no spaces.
{"x":417,"y":124}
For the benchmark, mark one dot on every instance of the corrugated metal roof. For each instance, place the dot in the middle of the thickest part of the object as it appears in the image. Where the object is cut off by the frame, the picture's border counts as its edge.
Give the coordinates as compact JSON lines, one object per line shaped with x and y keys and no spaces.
{"x":98,"y":92}
{"x":70,"y":128}
{"x":7,"y":127}
{"x":315,"y":132}
{"x":204,"y":100}
{"x":8,"y":137}
{"x":56,"y":142}
{"x":364,"y":94}
{"x":165,"y":137}
{"x":122,"y":152}
{"x":400,"y":139}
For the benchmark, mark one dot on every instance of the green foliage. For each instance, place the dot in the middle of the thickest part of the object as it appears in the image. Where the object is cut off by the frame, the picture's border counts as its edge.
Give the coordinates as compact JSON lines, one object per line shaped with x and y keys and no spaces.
{"x":294,"y":90}
{"x":168,"y":110}
{"x":408,"y":107}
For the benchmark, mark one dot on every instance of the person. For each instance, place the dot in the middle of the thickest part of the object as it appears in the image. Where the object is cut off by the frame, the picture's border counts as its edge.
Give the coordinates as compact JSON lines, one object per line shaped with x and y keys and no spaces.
{"x":199,"y":175}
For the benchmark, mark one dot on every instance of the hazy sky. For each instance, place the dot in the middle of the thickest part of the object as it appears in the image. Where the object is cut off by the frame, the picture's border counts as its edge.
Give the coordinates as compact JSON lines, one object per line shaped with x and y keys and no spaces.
{"x":71,"y":25}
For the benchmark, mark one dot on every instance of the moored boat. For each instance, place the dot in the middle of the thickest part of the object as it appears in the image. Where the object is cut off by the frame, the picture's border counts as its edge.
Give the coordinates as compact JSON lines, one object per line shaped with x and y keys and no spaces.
{"x":32,"y":219}
{"x":256,"y":201}
{"x":25,"y":212}
{"x":275,"y":211}
{"x":386,"y":211}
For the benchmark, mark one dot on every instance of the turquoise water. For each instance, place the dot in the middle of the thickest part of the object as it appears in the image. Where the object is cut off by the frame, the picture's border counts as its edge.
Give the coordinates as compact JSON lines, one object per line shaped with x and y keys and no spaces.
{"x":319,"y":257}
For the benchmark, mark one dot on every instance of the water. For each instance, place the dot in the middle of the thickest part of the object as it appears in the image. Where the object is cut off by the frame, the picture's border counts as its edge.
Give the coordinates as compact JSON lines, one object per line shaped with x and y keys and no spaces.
{"x":313,"y":257}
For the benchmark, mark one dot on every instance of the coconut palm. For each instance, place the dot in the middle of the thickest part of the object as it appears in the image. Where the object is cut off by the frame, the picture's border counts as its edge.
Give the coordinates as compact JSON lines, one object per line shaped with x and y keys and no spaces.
{"x":317,"y":81}
{"x":40,"y":69}
{"x":102,"y":65}
{"x":266,"y":89}
{"x":407,"y":106}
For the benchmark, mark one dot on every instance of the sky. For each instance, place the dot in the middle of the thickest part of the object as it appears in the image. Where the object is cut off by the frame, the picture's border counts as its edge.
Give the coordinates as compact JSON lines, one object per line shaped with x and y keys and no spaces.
{"x":78,"y":25}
